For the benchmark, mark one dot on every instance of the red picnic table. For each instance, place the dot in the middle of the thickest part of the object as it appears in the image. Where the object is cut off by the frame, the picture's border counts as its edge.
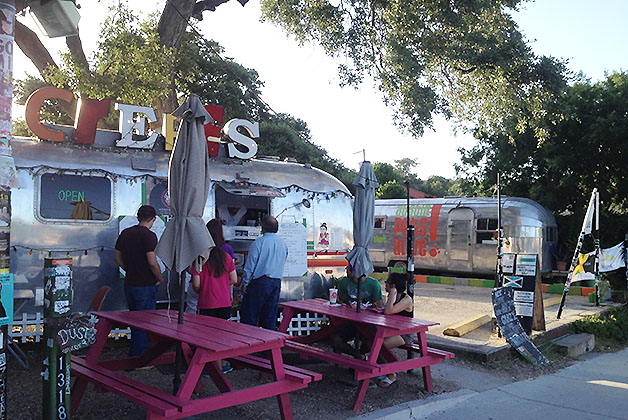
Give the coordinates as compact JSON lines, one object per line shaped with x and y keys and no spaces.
{"x":204,"y":339}
{"x":386,"y":325}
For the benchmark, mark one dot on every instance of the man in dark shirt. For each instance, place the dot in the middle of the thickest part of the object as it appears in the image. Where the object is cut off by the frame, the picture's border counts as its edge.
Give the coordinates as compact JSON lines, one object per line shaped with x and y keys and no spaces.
{"x":135,"y":254}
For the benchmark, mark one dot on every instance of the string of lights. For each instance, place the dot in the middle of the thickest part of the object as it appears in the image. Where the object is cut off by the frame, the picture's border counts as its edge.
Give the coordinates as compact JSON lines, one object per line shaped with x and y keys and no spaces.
{"x":68,"y":252}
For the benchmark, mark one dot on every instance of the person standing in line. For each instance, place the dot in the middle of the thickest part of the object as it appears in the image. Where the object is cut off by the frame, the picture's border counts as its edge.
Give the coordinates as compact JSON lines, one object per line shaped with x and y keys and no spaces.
{"x":135,"y":254}
{"x":215,"y":230}
{"x":214,"y":227}
{"x":262,"y":277}
{"x":213,"y":283}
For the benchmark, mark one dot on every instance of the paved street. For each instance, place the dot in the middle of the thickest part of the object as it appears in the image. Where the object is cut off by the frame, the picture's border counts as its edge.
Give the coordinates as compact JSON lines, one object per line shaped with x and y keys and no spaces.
{"x":593,"y":389}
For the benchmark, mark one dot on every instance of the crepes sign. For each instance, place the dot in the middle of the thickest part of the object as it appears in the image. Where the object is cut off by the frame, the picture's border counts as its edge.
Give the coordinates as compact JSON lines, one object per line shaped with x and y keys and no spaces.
{"x":133,"y":124}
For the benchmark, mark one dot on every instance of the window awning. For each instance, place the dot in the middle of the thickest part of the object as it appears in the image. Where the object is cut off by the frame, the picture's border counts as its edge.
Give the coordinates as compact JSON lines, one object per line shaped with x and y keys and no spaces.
{"x":248,"y":189}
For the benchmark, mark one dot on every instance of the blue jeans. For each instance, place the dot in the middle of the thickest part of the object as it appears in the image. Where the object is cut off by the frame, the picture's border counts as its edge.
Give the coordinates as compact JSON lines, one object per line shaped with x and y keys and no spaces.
{"x":259,"y":304}
{"x":140,"y":298}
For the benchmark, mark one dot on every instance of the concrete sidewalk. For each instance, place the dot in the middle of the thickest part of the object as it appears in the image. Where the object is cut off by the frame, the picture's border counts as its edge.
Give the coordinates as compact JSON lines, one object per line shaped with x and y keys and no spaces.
{"x":592,"y":389}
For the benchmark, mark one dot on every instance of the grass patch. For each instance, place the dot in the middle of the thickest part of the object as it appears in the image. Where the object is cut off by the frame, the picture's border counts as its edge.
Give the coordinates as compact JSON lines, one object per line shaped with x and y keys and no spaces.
{"x":610,"y":329}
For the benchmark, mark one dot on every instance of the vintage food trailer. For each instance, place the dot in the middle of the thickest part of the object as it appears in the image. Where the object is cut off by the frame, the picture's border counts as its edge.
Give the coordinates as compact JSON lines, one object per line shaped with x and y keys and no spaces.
{"x":73,"y":199}
{"x":458,"y":235}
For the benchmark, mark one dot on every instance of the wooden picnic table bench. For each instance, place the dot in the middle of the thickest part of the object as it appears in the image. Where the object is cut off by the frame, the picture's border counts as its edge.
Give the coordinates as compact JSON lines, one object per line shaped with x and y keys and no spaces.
{"x":365,"y":321}
{"x":204,"y":340}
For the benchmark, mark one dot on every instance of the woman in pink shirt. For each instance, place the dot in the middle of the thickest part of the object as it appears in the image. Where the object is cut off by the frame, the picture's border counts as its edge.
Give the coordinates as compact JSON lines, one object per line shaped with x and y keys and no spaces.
{"x":213,"y":283}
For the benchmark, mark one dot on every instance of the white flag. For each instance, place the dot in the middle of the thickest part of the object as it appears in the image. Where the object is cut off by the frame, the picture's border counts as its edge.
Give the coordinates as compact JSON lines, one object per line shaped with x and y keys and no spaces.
{"x":588,"y":218}
{"x":612,"y":258}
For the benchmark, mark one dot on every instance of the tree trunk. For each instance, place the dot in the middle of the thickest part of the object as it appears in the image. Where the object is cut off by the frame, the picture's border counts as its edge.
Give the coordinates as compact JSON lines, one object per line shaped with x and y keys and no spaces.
{"x":31,"y":46}
{"x":171,"y":28}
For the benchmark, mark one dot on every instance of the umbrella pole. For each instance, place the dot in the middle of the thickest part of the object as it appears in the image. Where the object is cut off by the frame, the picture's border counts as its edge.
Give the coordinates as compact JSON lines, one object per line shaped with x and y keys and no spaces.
{"x":356,"y":341}
{"x":179,"y":354}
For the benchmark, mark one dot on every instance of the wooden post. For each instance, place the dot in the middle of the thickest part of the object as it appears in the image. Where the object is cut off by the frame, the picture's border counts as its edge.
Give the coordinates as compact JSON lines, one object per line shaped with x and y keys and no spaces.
{"x":538,"y":318}
{"x":56,"y":364}
{"x":7,"y":7}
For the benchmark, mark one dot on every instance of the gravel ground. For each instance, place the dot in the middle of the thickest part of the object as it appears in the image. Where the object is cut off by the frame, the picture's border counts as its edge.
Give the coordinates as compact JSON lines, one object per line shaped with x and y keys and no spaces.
{"x":322,"y":400}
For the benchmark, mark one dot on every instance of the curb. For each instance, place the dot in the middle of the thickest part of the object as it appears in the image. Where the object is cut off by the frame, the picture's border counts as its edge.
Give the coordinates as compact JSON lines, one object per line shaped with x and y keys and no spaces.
{"x":555,"y":289}
{"x":419,"y":409}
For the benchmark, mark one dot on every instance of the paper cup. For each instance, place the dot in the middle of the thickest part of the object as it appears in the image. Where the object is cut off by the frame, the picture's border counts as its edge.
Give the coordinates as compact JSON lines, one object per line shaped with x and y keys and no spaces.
{"x":333,"y":296}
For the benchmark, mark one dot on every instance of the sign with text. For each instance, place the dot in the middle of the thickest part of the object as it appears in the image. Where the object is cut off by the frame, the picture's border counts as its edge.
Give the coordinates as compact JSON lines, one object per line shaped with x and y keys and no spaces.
{"x":75,"y":332}
{"x":524,"y":267}
{"x":6,"y":299}
{"x":295,"y":237}
{"x":508,"y":321}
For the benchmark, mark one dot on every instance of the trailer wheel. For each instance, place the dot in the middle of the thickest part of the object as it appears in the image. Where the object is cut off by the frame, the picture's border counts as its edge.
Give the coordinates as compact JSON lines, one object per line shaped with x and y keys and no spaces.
{"x":401,"y":264}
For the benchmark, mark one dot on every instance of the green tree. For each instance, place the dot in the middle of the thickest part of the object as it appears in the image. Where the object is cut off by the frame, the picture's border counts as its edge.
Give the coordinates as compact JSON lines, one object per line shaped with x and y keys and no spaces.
{"x":385,"y":172}
{"x":459,"y":58}
{"x":584,"y":150}
{"x":128,"y":64}
{"x":201,"y":69}
{"x":391,"y":189}
{"x":438,"y":186}
{"x":288,"y":137}
{"x":405,"y":168}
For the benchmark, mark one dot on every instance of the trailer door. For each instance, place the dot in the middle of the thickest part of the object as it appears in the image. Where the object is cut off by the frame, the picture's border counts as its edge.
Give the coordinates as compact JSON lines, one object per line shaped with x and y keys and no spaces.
{"x":459,"y":239}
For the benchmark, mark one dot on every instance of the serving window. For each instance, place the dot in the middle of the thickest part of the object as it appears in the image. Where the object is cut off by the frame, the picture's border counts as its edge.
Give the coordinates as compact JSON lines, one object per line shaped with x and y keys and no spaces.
{"x":486,"y":231}
{"x":74,"y":197}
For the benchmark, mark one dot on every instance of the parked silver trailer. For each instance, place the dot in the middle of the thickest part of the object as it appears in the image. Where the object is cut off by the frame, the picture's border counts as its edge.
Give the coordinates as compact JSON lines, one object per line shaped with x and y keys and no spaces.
{"x":458,"y":235}
{"x":55,"y":178}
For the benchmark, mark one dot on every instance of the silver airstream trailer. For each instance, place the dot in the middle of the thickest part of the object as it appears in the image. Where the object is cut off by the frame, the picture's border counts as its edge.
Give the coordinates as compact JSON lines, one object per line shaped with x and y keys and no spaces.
{"x":74,"y":199}
{"x":458,"y":235}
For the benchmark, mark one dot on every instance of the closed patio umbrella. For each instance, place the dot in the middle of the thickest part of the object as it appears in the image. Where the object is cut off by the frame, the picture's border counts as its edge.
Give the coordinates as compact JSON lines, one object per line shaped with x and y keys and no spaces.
{"x":363,"y":221}
{"x":186,"y":239}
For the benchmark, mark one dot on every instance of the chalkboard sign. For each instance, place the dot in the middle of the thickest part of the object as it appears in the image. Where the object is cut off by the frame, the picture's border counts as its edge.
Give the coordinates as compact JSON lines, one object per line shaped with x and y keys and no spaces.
{"x":75,"y":332}
{"x":504,"y":307}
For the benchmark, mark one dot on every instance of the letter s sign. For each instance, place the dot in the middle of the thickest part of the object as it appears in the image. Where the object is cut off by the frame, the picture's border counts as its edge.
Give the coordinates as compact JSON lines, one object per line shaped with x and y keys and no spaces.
{"x":231,"y":130}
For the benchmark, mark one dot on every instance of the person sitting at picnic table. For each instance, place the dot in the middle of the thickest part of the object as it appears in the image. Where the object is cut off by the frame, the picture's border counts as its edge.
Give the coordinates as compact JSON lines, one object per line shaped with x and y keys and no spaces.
{"x":370,"y":293}
{"x":213,"y":283}
{"x":397,"y":303}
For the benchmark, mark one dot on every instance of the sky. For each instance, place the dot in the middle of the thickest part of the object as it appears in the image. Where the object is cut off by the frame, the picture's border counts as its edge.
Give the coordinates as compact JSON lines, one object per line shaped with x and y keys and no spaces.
{"x":303,"y":81}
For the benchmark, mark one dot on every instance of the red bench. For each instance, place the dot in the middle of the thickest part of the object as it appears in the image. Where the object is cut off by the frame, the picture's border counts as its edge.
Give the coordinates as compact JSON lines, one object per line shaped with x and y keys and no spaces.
{"x":160,"y":404}
{"x":414,"y":347}
{"x":264,"y":365}
{"x":305,"y":352}
{"x":157,"y":403}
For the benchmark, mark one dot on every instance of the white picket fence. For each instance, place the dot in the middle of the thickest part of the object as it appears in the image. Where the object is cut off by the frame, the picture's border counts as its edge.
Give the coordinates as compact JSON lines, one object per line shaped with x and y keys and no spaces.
{"x":31,"y":326}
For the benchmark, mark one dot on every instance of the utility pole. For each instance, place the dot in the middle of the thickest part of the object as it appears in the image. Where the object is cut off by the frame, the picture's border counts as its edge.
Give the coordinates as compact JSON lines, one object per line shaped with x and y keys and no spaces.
{"x":409,"y":244}
{"x":500,"y":236}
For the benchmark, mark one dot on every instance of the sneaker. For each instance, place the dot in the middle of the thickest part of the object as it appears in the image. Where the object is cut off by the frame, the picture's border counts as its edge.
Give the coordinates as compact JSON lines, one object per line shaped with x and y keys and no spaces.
{"x":226,"y":368}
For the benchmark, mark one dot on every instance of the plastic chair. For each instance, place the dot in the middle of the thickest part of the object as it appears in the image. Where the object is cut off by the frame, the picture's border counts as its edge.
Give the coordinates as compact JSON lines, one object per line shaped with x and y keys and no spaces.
{"x":99,"y":298}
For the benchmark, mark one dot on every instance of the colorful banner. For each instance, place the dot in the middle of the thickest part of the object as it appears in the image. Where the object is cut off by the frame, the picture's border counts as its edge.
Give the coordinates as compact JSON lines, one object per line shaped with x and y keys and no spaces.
{"x":612,"y":258}
{"x":424,"y":218}
{"x":585,"y":270}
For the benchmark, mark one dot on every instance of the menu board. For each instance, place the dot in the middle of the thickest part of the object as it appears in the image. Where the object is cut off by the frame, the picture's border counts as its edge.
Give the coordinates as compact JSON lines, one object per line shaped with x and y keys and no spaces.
{"x":295,"y":237}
